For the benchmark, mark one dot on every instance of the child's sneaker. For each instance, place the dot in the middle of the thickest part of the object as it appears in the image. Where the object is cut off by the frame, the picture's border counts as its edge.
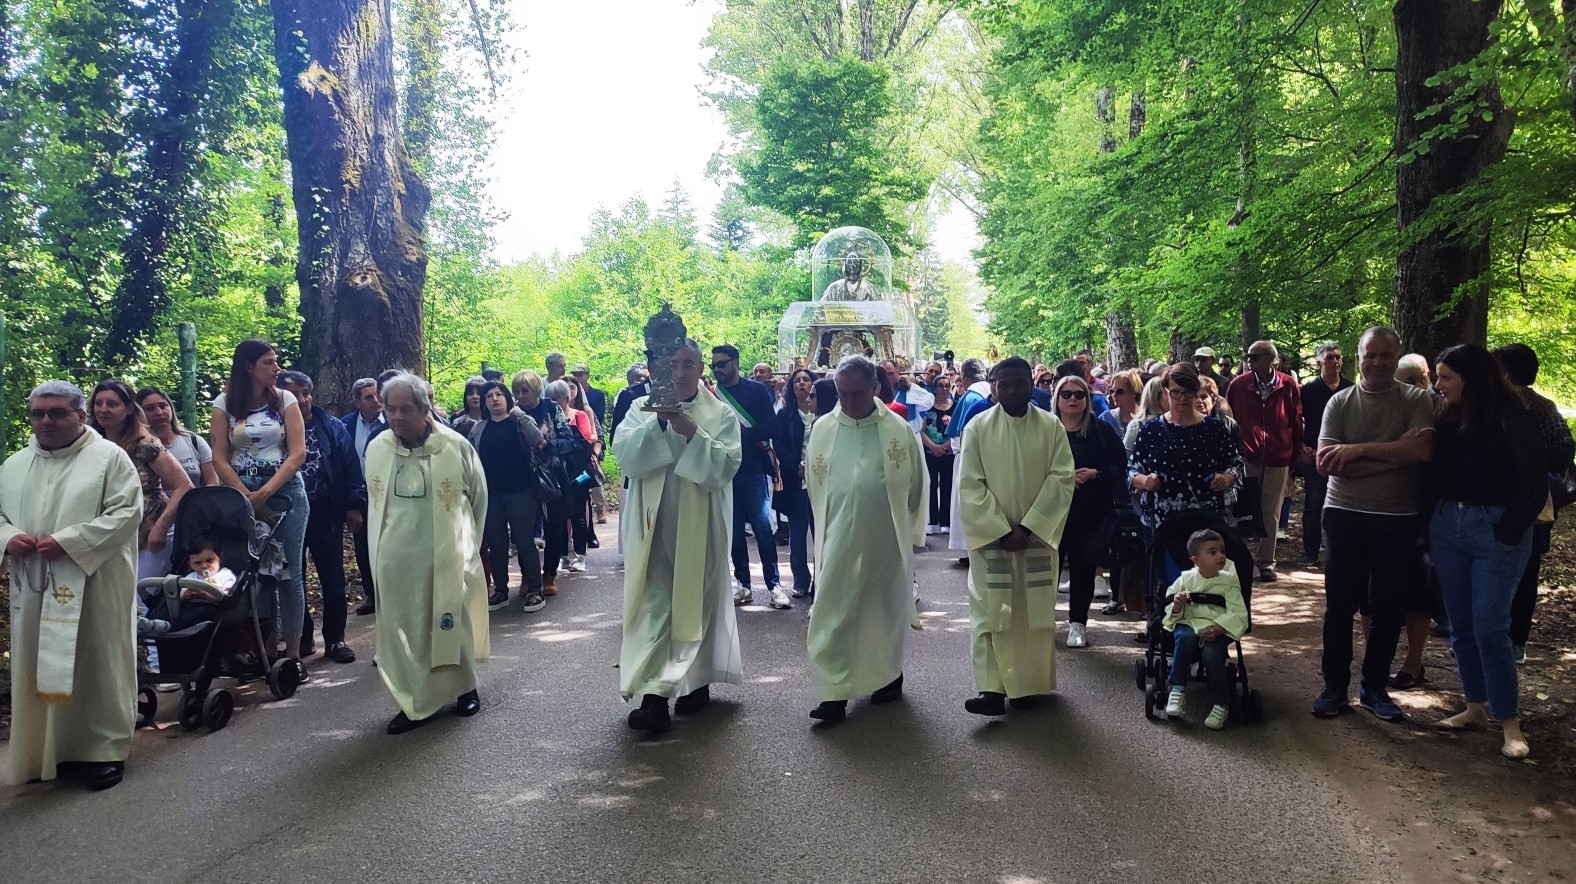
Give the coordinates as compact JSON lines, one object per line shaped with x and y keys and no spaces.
{"x":1217,"y":717}
{"x":147,"y":627}
{"x":1174,"y":704}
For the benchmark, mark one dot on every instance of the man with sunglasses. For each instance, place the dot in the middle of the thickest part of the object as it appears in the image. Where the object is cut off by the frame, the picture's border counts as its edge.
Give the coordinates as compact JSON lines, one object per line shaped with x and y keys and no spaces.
{"x":1267,"y":404}
{"x":751,"y":403}
{"x":70,"y":506}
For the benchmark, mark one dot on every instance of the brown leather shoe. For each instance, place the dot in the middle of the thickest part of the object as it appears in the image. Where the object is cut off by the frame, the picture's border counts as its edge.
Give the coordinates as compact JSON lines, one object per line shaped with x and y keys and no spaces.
{"x":550,"y":585}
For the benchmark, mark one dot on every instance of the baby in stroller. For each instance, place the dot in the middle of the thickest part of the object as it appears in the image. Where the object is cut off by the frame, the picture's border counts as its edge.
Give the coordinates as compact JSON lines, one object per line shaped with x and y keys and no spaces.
{"x":1205,"y":614}
{"x":202,"y":556}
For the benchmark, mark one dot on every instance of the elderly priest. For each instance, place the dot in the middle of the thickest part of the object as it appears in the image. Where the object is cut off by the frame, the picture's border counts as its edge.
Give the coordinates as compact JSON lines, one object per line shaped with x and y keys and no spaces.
{"x":427,"y":500}
{"x":70,"y":506}
{"x":867,"y":485}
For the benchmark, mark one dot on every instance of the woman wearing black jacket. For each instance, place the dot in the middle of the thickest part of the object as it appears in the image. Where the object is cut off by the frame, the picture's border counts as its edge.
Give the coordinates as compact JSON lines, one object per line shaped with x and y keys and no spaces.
{"x":1488,"y":475}
{"x":1100,"y":468}
{"x":794,"y":417}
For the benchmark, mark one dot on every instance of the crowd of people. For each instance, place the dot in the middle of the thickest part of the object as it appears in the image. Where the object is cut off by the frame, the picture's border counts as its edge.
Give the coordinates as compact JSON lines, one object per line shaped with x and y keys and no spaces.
{"x":1427,"y":505}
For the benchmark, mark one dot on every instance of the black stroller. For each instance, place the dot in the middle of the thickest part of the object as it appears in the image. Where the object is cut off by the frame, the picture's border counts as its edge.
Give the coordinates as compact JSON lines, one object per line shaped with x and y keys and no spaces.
{"x":1153,"y":673}
{"x":233,"y":645}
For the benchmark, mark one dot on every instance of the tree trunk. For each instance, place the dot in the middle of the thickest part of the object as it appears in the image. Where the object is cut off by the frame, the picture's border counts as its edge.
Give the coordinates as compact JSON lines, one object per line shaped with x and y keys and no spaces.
{"x":1252,"y":324}
{"x":1181,"y":349}
{"x":1105,"y":112}
{"x":1441,"y":280}
{"x":1138,"y":113}
{"x":1121,"y":344}
{"x":867,"y":30}
{"x":360,"y":206}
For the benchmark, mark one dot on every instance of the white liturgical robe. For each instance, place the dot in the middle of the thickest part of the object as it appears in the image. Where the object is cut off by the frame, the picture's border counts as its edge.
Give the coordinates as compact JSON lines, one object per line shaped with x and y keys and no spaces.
{"x":73,"y":652}
{"x":867,"y":485}
{"x":426,"y":507}
{"x":679,"y":628}
{"x":1014,"y":471}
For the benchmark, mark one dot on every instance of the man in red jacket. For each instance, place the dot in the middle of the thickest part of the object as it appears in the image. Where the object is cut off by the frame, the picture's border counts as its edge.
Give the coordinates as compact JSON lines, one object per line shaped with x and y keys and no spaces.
{"x":1268,"y":407}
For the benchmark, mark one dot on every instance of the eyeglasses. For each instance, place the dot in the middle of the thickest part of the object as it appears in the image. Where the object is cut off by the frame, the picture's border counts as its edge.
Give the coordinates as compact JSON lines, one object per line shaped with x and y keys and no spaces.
{"x":1180,"y":394}
{"x":719,"y":366}
{"x":1072,"y":394}
{"x":1045,"y":383}
{"x":54,"y":414}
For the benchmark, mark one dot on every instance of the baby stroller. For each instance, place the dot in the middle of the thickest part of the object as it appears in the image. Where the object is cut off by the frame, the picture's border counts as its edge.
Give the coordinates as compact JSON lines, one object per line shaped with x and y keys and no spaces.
{"x":233,"y":645}
{"x":1168,"y":557}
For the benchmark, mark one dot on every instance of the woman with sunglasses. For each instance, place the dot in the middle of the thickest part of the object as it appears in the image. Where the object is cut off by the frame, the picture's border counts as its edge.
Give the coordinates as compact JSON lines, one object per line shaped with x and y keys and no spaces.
{"x":1122,"y":390}
{"x":1099,"y":461}
{"x":1184,"y":460}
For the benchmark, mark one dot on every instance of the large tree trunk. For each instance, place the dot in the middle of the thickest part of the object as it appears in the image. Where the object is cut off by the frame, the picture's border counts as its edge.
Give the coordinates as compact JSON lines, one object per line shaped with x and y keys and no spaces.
{"x":1121,"y":344}
{"x":1180,"y":349}
{"x":165,"y":181}
{"x":361,"y":208}
{"x":1433,"y":36}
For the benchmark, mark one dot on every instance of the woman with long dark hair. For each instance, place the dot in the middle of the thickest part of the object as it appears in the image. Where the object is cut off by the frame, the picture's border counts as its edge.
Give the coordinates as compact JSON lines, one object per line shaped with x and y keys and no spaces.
{"x":1488,"y":475}
{"x":115,"y":414}
{"x":506,"y":441}
{"x":259,"y":446}
{"x":474,"y":411}
{"x":1100,"y":464}
{"x":795,"y":417}
{"x":190,"y":450}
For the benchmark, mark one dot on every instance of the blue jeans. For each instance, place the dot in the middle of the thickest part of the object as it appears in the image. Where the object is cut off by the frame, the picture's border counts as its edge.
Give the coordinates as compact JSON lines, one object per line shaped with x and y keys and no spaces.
{"x":291,"y":534}
{"x":750,"y":494}
{"x":800,"y":524}
{"x":1189,"y":647}
{"x":1478,"y":576}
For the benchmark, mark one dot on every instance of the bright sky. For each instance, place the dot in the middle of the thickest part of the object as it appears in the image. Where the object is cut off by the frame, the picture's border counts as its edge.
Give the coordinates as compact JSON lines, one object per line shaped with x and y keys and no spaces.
{"x":608,"y":107}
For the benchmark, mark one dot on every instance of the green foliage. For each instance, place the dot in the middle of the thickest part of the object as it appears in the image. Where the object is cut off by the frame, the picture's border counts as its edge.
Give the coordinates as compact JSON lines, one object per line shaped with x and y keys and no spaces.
{"x":1262,"y":173}
{"x":818,"y":159}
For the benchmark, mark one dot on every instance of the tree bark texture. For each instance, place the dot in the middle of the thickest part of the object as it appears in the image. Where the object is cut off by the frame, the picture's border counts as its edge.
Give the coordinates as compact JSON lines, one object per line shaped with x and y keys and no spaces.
{"x":1441,"y":280}
{"x":1121,"y":344}
{"x":1138,"y":113}
{"x":360,"y":205}
{"x":1180,"y":349}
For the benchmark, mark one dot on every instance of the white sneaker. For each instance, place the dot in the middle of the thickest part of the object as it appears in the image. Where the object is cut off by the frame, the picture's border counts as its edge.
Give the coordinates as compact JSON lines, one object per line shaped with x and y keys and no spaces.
{"x":930,"y":530}
{"x":577,"y":562}
{"x":541,"y":544}
{"x":1102,"y":587}
{"x":1217,"y":717}
{"x":943,"y":529}
{"x":742,"y":596}
{"x":1075,"y":636}
{"x":1065,"y":586}
{"x":1174,"y":703}
{"x":780,"y":599}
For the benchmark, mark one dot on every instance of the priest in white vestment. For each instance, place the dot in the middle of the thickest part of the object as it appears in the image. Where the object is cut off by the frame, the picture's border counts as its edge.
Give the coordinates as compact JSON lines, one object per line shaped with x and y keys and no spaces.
{"x":680,"y":636}
{"x":1016,"y":486}
{"x":70,"y":507}
{"x":867,"y":486}
{"x":426,"y":503}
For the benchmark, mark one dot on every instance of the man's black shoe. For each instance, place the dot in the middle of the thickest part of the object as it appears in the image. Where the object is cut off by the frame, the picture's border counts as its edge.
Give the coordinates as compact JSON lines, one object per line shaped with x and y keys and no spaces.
{"x":693,"y":702}
{"x":399,"y":724}
{"x":340,"y":652}
{"x":652,"y":717}
{"x":987,"y":703}
{"x":366,"y":608}
{"x":105,"y":775}
{"x":830,"y":711}
{"x":889,"y":693}
{"x":468,"y":704}
{"x":1029,"y":702}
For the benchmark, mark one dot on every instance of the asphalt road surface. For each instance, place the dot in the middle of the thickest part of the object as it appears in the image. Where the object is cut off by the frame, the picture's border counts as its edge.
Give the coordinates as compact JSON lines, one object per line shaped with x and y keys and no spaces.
{"x":547,"y":784}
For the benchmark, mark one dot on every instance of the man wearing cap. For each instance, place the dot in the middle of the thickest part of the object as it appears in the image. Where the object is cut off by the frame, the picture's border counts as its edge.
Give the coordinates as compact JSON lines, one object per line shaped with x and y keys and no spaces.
{"x":1204,"y":361}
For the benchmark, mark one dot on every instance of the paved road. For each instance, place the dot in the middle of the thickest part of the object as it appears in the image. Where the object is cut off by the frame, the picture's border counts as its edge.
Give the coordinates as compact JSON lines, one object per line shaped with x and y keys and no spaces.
{"x":548,"y":785}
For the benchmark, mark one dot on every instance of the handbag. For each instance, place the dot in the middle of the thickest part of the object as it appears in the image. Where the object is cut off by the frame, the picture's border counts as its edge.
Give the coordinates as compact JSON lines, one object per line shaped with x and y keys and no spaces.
{"x":548,"y":486}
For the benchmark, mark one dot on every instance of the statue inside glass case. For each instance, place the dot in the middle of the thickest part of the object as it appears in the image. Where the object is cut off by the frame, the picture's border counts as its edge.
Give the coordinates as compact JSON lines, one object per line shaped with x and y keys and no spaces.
{"x":854,"y":284}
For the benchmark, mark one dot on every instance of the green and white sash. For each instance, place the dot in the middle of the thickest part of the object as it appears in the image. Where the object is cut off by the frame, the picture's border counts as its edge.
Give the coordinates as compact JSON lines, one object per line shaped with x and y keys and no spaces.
{"x":744,"y":416}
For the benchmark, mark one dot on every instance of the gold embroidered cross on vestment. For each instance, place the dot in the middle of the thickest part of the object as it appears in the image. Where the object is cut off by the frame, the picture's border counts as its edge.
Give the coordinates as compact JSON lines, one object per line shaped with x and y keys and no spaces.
{"x":820,"y":469}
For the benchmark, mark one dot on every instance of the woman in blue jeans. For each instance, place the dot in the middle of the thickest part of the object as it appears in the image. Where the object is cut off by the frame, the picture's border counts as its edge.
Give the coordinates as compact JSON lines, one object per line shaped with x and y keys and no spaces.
{"x":795,"y":415}
{"x":1488,"y":476}
{"x":259,"y":447}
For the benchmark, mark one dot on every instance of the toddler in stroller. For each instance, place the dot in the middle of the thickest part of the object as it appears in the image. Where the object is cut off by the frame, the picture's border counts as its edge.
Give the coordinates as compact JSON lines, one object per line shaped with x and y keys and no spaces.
{"x":1205,"y":614}
{"x":215,"y":622}
{"x":197,"y":606}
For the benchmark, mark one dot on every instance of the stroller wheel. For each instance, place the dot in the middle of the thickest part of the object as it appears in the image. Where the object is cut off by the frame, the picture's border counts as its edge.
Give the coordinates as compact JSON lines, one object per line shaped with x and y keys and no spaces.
{"x":1253,"y":705}
{"x":1149,"y":705}
{"x":217,"y":709}
{"x":1140,"y":674}
{"x":283,"y":678}
{"x":147,"y":707}
{"x":191,"y":711}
